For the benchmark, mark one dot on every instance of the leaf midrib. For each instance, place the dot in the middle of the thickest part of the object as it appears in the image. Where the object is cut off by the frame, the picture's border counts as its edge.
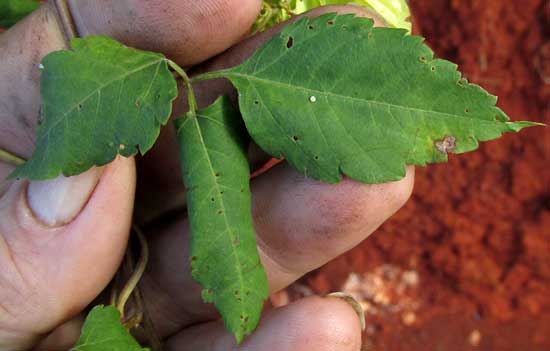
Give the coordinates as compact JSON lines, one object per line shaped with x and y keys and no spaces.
{"x":249,"y":77}
{"x":195,"y":118}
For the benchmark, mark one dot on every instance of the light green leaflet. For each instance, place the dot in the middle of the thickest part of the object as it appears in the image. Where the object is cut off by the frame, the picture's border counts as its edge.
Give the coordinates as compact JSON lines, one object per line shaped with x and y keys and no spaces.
{"x":366,"y":102}
{"x":224,"y":256}
{"x":396,"y":13}
{"x":12,"y":11}
{"x":103,"y":331}
{"x":99,"y":100}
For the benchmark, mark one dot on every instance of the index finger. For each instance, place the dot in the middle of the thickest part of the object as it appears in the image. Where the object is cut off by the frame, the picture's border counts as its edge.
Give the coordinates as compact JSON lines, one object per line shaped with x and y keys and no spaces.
{"x":187,"y":31}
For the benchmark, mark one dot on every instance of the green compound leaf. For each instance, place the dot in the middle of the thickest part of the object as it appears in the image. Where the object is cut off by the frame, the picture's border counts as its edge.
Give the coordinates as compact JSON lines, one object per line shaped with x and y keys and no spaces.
{"x":99,"y":100}
{"x":366,"y":102}
{"x":103,"y":331}
{"x":224,"y":256}
{"x":12,"y":11}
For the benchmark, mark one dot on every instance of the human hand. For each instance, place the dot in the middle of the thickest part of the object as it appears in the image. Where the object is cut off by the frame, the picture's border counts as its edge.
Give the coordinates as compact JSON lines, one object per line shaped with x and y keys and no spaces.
{"x":63,"y":240}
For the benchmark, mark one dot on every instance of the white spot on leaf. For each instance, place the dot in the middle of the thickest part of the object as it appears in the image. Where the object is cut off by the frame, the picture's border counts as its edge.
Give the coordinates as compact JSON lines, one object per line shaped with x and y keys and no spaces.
{"x":312,"y":99}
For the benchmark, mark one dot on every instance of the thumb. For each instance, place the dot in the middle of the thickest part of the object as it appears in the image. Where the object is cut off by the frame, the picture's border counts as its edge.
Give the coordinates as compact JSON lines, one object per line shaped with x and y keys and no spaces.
{"x":187,"y":31}
{"x":61,"y":240}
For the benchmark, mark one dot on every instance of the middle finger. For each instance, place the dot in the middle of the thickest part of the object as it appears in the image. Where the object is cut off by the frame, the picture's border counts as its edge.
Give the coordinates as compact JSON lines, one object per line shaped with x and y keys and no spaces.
{"x":300,"y":224}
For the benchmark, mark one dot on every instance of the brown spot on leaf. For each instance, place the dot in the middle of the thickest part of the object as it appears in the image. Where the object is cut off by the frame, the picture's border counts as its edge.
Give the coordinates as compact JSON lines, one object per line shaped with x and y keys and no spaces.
{"x":447,"y":145}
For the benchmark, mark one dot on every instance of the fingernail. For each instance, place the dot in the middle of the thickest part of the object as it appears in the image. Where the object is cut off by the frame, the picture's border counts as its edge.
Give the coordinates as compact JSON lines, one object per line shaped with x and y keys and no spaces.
{"x":350,"y":300}
{"x":58,"y":201}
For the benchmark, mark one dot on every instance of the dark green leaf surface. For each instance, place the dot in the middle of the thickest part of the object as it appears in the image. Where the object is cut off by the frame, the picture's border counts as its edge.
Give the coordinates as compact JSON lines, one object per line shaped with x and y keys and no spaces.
{"x":224,"y":256}
{"x":103,"y":331}
{"x":99,"y":100}
{"x":365,"y":102}
{"x":12,"y":11}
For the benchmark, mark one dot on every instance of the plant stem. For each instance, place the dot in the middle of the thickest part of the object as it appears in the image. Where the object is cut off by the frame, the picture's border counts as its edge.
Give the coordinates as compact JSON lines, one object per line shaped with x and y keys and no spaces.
{"x":188,"y":82}
{"x":210,"y":75}
{"x":10,"y":158}
{"x":114,"y":295}
{"x":138,"y":273}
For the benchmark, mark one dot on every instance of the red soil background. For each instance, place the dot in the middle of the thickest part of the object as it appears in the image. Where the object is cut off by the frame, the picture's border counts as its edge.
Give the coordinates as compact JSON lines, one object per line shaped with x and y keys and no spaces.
{"x":476,"y":233}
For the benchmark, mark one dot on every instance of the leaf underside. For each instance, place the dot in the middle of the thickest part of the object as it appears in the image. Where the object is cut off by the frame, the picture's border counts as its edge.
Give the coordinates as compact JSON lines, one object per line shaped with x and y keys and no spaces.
{"x":224,"y":256}
{"x":365,"y":102}
{"x":103,"y":331}
{"x":99,"y":100}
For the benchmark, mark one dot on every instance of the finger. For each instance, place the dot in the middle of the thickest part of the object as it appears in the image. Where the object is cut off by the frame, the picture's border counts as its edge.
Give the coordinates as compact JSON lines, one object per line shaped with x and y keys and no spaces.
{"x":188,"y":31}
{"x":313,"y":324}
{"x":350,"y":211}
{"x":242,"y":51}
{"x":300,"y":223}
{"x":61,"y":241}
{"x":63,"y":337}
{"x":21,"y":49}
{"x":161,"y":191}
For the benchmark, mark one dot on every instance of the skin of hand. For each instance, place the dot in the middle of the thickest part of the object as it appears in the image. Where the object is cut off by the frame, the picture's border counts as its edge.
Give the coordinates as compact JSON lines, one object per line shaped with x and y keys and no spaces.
{"x":61,"y":241}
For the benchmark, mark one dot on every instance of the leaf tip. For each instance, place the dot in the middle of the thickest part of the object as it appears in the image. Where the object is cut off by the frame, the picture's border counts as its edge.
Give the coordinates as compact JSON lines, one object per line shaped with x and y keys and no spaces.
{"x":517,"y":126}
{"x":239,"y":335}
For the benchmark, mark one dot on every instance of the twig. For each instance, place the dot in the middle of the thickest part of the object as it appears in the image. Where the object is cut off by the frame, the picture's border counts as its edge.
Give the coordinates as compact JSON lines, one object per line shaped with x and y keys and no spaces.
{"x":126,"y":292}
{"x":10,"y":158}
